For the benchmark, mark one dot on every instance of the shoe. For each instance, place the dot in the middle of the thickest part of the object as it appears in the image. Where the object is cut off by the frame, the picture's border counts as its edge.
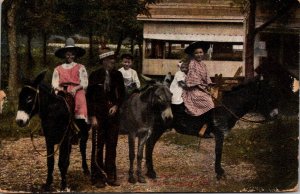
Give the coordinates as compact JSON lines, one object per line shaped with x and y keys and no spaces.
{"x":202,"y":130}
{"x":208,"y":135}
{"x":100,"y":184}
{"x":113,"y":183}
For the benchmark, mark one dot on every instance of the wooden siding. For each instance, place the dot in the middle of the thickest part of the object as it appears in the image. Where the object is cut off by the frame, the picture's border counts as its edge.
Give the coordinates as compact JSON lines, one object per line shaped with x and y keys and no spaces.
{"x":163,"y":66}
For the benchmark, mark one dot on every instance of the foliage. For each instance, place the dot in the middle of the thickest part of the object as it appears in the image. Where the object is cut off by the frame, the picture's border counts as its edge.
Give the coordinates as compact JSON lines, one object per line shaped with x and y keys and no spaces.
{"x":107,"y":21}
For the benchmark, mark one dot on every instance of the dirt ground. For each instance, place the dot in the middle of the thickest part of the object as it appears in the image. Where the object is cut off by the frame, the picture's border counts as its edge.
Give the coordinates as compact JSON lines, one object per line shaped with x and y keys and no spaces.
{"x":179,"y":169}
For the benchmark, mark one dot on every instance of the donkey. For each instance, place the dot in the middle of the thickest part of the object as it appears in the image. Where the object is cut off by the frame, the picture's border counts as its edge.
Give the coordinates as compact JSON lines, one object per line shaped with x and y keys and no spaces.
{"x":56,"y":118}
{"x":256,"y":94}
{"x":137,"y":119}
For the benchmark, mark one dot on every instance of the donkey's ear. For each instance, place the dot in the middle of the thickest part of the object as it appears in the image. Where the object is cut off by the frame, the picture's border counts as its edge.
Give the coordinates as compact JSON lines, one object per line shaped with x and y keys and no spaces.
{"x":40,"y":77}
{"x":145,"y":95}
{"x":23,"y":79}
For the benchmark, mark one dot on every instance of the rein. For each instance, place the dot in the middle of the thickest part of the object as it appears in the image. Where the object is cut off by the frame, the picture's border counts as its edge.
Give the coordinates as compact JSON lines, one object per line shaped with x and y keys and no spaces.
{"x":37,"y":98}
{"x":232,"y":113}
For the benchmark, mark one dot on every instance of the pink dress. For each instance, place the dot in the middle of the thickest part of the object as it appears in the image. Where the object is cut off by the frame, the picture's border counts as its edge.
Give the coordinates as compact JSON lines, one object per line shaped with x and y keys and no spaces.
{"x":71,"y":77}
{"x":196,"y":101}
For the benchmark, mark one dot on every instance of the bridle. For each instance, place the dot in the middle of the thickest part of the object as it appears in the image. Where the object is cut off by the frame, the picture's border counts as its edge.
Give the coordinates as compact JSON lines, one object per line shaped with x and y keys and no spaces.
{"x":37,"y":99}
{"x":232,"y":113}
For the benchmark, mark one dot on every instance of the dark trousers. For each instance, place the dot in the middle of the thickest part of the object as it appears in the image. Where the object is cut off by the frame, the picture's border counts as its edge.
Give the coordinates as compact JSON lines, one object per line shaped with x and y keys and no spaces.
{"x":83,"y":135}
{"x":105,"y":136}
{"x":188,"y":124}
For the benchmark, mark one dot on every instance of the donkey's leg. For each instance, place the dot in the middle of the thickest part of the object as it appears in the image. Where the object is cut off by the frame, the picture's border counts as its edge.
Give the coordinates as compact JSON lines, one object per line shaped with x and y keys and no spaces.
{"x":141,"y":144}
{"x":64,"y":161}
{"x":156,"y":134}
{"x":84,"y":135}
{"x":50,"y":166}
{"x":219,"y":139}
{"x":131,"y":143}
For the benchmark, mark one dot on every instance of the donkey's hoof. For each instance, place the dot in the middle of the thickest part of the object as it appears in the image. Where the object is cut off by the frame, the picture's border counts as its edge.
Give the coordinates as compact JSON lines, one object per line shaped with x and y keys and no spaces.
{"x":151,"y":174}
{"x":221,"y":176}
{"x":63,"y":185}
{"x":46,"y":187}
{"x":86,"y":172}
{"x":141,"y":179}
{"x":132,"y":179}
{"x":220,"y":173}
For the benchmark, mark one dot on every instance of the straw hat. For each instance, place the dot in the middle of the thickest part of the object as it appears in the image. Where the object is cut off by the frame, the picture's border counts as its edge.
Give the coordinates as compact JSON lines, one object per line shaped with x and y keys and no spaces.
{"x":69,"y":46}
{"x":105,"y":52}
{"x":195,"y":45}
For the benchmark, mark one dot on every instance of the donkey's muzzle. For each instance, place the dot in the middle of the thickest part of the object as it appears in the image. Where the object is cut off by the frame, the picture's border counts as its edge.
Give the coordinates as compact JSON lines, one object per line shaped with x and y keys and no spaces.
{"x":22,"y":118}
{"x":167,"y":115}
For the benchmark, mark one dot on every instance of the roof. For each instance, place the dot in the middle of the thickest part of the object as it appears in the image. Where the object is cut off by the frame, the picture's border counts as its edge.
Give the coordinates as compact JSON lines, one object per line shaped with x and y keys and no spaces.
{"x":179,"y":31}
{"x":194,"y":11}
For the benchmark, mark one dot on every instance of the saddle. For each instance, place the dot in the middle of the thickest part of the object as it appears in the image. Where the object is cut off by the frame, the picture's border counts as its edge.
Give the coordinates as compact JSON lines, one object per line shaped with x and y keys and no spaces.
{"x":70,"y":101}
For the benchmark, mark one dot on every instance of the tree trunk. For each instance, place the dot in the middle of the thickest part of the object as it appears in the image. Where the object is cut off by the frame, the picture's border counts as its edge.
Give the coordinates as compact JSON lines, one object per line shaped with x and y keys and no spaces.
{"x":140,"y":64}
{"x":91,"y":53}
{"x":119,"y":44}
{"x":250,"y":38}
{"x":30,"y":61}
{"x":13,"y":80}
{"x":132,"y":46}
{"x":45,"y":48}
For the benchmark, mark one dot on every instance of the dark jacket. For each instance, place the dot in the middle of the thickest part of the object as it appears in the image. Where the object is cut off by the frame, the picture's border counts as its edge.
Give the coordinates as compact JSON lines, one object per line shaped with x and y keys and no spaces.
{"x":99,"y":101}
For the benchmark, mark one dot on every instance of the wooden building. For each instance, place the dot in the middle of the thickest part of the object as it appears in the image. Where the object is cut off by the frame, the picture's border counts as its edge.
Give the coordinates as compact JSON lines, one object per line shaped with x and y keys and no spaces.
{"x":174,"y":24}
{"x":278,"y":44}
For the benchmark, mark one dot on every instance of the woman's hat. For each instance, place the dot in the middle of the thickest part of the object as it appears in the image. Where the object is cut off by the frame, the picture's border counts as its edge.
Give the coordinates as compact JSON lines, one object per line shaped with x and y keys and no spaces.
{"x":105,"y":52}
{"x":69,"y":46}
{"x":195,"y":45}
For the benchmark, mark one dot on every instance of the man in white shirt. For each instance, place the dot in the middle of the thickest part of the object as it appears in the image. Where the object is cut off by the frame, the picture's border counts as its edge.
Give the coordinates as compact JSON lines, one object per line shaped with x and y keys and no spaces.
{"x":131,"y":79}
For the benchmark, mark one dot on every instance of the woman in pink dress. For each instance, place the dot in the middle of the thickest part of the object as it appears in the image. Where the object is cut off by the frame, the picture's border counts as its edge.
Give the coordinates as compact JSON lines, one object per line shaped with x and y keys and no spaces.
{"x":72,"y":77}
{"x":196,"y":96}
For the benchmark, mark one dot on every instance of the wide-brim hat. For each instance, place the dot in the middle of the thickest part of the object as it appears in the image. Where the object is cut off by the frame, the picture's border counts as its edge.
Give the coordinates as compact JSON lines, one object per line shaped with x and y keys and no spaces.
{"x":70,"y":46}
{"x":105,"y":52}
{"x":195,"y":45}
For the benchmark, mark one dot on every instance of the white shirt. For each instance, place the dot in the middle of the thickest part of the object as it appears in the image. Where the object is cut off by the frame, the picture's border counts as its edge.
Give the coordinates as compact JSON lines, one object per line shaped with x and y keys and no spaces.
{"x":176,"y":89}
{"x":130,"y":76}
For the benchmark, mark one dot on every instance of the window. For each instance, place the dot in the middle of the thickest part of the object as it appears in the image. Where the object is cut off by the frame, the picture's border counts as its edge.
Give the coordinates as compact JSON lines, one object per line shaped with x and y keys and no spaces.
{"x":218,"y":51}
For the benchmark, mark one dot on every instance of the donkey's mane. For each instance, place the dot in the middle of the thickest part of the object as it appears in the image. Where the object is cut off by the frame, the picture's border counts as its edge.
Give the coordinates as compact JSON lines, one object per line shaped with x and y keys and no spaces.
{"x":251,"y":84}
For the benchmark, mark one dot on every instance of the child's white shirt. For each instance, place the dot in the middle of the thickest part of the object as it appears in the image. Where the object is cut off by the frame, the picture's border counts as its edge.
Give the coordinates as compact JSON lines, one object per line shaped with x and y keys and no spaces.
{"x":130,"y":76}
{"x":176,"y":89}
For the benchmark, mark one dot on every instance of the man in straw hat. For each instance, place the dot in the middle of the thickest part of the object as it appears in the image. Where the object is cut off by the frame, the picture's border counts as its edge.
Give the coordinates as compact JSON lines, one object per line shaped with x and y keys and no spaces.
{"x":105,"y":95}
{"x":72,"y":77}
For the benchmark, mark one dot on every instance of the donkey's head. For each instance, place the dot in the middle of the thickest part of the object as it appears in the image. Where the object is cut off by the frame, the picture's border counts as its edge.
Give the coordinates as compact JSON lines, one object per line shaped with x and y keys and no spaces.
{"x":28,"y":100}
{"x":159,"y":98}
{"x":268,"y":98}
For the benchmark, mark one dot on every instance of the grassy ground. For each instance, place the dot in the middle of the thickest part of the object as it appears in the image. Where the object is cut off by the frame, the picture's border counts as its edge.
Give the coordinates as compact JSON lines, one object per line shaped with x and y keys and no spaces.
{"x":272,"y":148}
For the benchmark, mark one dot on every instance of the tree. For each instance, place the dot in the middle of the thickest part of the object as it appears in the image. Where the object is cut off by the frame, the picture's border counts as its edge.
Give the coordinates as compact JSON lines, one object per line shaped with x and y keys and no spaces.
{"x":124,"y":22}
{"x":277,"y":10}
{"x":11,"y":7}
